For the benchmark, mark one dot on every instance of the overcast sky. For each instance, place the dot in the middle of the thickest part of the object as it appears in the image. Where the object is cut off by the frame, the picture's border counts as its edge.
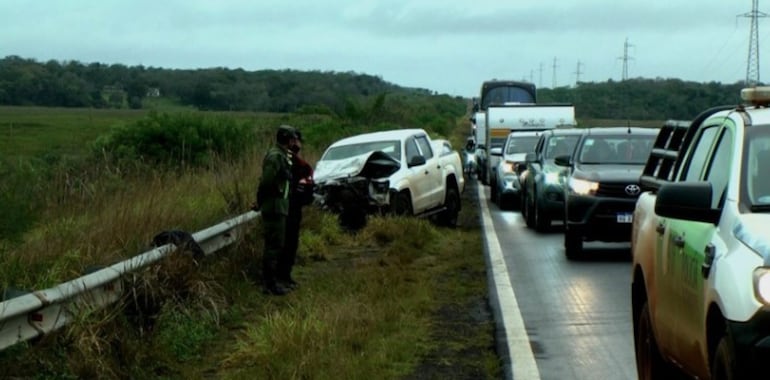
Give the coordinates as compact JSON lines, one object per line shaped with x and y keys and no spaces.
{"x":446,"y":46}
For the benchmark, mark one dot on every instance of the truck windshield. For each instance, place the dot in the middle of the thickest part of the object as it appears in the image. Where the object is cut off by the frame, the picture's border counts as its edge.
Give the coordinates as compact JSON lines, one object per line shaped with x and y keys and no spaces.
{"x":521,"y":144}
{"x":391,"y":148}
{"x":616,"y":149}
{"x":755,"y":178}
{"x":560,"y":145}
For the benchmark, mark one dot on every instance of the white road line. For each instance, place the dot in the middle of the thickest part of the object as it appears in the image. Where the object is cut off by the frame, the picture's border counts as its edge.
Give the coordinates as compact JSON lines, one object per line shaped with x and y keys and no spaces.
{"x":519,"y":350}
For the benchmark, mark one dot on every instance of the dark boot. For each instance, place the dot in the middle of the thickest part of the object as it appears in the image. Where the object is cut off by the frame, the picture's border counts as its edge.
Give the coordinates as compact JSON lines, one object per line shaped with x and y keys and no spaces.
{"x":275,"y":290}
{"x":270,"y":285}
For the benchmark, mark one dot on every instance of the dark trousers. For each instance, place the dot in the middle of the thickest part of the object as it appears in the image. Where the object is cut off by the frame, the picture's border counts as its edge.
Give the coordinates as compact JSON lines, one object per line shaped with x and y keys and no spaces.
{"x":274,"y":233}
{"x":289,"y":256}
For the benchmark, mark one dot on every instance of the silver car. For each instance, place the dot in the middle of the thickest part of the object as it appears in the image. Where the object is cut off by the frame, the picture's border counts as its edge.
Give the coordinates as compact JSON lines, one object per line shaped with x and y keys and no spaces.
{"x":507,"y":188}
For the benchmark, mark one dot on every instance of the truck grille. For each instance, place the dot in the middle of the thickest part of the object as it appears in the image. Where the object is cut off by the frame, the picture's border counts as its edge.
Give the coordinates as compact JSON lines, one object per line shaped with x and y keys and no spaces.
{"x":619,"y":190}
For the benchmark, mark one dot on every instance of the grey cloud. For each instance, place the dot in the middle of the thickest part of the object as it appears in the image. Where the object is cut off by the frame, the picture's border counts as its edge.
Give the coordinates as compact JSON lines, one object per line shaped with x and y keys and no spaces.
{"x":390,"y":20}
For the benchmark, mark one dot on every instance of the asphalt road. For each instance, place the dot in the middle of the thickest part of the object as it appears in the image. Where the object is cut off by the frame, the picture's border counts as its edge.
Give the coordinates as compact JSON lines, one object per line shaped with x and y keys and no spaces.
{"x":574,"y":315}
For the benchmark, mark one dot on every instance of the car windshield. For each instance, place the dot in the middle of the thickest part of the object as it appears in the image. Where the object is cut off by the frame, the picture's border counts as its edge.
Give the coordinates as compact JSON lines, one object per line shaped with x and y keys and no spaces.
{"x":391,"y":148}
{"x":521,"y":144}
{"x":560,"y":146}
{"x":756,"y":181}
{"x":616,"y":149}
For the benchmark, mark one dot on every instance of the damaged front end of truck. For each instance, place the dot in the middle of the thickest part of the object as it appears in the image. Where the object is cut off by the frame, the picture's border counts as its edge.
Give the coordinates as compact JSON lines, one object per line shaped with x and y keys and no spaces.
{"x":355,"y":187}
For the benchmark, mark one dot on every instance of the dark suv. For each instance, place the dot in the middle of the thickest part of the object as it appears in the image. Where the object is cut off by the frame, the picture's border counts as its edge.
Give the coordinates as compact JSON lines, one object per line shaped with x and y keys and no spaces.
{"x":602,"y":184}
{"x":543,"y":196}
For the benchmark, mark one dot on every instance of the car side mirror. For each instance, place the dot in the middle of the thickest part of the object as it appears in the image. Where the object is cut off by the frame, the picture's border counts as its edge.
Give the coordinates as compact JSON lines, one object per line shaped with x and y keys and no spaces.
{"x":496,"y":152}
{"x":416,"y":161}
{"x":562,"y":160}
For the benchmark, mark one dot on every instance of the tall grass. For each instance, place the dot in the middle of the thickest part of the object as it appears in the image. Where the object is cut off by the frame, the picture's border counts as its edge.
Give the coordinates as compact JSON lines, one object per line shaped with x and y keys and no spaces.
{"x":364,"y":308}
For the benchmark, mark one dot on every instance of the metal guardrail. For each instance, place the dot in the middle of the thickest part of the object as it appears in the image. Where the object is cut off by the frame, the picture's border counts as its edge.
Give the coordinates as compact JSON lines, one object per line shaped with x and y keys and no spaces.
{"x":41,"y":312}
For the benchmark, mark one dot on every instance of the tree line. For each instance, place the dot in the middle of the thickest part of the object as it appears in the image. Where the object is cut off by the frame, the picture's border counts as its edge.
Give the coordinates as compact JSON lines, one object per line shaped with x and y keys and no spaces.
{"x":75,"y":84}
{"x":643,"y":99}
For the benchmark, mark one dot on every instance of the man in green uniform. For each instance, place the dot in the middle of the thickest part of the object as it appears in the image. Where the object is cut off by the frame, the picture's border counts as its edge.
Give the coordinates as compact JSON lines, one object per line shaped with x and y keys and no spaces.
{"x":273,"y":199}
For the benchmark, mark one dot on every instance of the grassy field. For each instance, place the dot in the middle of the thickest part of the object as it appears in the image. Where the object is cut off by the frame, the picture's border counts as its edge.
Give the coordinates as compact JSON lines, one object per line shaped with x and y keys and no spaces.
{"x":35,"y":131}
{"x":401,"y":299}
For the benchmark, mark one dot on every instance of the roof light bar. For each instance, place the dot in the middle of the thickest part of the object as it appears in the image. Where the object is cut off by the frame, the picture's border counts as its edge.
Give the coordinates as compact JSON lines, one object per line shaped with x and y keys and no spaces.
{"x":757,"y":96}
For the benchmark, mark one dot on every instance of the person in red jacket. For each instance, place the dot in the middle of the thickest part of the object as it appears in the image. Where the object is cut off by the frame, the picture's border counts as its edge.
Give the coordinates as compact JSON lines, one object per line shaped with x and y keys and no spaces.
{"x":300,"y":194}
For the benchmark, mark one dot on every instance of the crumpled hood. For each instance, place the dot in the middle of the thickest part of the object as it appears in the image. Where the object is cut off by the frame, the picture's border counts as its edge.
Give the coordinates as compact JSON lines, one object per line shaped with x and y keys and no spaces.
{"x":371,"y":165}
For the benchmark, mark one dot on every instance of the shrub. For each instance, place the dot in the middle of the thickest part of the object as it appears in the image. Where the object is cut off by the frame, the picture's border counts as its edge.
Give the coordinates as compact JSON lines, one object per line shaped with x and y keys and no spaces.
{"x":178,"y":140}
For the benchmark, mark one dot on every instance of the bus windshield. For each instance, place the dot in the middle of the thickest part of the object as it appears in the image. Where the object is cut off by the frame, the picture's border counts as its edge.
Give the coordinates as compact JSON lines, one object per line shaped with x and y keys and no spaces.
{"x":506,"y":92}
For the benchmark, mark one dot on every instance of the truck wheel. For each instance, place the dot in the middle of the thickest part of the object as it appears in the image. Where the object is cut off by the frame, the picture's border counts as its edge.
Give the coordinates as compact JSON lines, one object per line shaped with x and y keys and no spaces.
{"x":542,"y":221}
{"x":452,"y":207}
{"x":724,"y":367}
{"x":402,"y":203}
{"x":573,"y":244}
{"x":352,"y":219}
{"x":529,"y":214}
{"x":649,"y":363}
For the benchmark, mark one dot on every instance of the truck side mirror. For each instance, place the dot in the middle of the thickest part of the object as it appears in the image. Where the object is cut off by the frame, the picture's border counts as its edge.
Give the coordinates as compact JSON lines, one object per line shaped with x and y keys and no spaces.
{"x":496,"y":152}
{"x":562,"y":160}
{"x":416,"y":161}
{"x":688,"y":201}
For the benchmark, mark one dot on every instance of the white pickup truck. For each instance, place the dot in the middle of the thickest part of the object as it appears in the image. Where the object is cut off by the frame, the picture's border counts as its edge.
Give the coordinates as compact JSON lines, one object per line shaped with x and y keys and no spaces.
{"x":700,"y":244}
{"x":400,"y":171}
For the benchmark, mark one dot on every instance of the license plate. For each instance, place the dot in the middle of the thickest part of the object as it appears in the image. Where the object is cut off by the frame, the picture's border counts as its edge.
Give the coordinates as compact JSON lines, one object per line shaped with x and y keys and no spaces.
{"x":625,"y":218}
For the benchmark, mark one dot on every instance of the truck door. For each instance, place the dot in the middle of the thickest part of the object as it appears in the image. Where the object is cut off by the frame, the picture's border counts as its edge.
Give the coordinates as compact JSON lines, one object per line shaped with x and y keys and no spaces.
{"x":665,"y":310}
{"x":434,"y":172}
{"x":419,"y":176}
{"x":688,"y":244}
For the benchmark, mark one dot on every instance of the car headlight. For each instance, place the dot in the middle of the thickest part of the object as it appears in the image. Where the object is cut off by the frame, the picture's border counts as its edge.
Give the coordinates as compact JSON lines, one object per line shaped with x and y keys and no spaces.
{"x":552,"y":178}
{"x":762,"y":285}
{"x":583,"y":187}
{"x":508,"y":167}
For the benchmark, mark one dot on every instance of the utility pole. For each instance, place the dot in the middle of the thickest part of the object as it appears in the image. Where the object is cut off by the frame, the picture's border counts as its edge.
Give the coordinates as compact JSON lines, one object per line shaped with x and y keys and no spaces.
{"x":752,"y":63}
{"x":554,"y":72}
{"x":531,"y":76}
{"x":578,"y":72}
{"x":626,"y":58}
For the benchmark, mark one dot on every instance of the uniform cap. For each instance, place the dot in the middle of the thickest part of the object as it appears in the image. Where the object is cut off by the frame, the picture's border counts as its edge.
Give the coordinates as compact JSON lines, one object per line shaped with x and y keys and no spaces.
{"x":285,"y":133}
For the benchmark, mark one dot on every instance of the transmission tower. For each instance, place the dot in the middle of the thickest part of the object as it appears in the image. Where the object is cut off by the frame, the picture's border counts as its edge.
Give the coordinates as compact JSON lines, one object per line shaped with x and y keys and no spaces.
{"x":540,"y":83}
{"x":752,"y":64}
{"x":578,"y":72}
{"x":626,"y":58}
{"x":554,"y":72}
